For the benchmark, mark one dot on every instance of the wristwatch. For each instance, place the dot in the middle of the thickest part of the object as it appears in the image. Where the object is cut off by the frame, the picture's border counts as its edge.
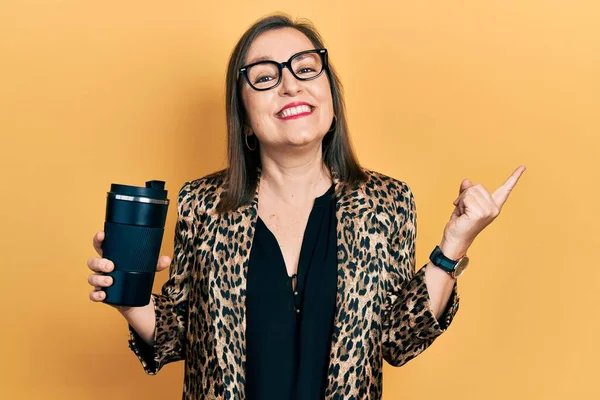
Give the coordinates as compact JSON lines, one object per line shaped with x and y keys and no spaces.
{"x":453,"y":267}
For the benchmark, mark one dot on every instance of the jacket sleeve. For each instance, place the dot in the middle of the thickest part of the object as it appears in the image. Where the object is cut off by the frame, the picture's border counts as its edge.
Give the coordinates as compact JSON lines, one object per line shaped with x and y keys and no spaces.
{"x":171,"y":306}
{"x":409,"y":323}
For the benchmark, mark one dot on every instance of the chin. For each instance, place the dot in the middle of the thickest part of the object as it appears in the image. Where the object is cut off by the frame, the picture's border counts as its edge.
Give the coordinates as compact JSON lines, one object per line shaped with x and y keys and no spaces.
{"x":304,"y":138}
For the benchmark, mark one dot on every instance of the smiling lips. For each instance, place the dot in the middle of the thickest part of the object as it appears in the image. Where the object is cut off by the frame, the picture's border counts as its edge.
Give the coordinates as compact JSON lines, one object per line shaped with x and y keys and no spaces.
{"x":295,"y":110}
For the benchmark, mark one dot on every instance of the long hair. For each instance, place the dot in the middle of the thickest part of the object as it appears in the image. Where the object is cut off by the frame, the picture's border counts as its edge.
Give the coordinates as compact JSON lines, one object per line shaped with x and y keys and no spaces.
{"x":240,"y":176}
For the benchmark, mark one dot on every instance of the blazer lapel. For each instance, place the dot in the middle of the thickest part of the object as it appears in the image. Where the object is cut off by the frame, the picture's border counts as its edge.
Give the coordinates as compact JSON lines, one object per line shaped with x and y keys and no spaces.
{"x":231,"y":254}
{"x":353,"y":213}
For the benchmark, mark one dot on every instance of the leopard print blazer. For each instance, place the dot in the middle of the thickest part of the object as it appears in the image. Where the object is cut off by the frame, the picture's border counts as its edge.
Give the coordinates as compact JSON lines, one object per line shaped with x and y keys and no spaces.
{"x":383,"y":310}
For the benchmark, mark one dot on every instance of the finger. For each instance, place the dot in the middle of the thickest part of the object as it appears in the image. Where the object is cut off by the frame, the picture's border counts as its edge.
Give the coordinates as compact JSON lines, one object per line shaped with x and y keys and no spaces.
{"x":97,"y":264}
{"x":487,"y":201}
{"x":99,"y":281}
{"x":459,"y":203}
{"x":501,"y":194}
{"x":97,"y":242}
{"x":479,"y":204}
{"x":470,"y":203}
{"x":97,"y":295}
{"x":455,"y":213}
{"x":163,"y":263}
{"x":464,"y":185}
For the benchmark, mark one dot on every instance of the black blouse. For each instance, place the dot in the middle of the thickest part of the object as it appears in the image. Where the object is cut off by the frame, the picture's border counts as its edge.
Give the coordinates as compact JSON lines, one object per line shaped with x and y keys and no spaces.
{"x":288,"y":333}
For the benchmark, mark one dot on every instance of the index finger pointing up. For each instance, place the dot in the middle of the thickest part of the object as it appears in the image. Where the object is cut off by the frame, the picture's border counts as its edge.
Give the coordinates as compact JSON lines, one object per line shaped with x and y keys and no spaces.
{"x":501,"y":194}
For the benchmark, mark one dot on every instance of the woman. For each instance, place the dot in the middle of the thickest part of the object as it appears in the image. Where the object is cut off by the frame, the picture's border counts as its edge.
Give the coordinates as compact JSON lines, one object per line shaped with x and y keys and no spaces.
{"x":293,"y":271}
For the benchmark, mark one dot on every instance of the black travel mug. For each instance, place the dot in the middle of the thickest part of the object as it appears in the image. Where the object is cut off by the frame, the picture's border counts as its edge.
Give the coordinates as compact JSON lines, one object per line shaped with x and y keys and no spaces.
{"x":133,"y":232}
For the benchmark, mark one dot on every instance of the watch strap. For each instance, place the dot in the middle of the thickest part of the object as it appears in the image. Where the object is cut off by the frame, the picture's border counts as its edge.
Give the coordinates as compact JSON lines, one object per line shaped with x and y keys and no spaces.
{"x":440,"y":260}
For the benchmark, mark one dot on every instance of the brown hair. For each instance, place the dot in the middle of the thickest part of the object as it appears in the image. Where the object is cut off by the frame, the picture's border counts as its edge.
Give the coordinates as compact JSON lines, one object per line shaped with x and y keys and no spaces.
{"x":240,"y":176}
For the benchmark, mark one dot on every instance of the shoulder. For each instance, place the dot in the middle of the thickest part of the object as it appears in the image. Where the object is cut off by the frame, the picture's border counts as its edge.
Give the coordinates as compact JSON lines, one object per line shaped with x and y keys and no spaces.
{"x":379,"y":185}
{"x":392,"y":197}
{"x":202,"y":194}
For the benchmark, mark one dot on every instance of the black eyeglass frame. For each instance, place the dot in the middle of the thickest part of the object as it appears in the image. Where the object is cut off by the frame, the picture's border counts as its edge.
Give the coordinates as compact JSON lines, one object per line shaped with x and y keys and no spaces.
{"x":286,"y":64}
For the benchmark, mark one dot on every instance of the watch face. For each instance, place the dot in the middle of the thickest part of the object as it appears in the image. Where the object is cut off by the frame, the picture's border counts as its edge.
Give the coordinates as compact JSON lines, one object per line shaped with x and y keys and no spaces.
{"x":461,"y":266}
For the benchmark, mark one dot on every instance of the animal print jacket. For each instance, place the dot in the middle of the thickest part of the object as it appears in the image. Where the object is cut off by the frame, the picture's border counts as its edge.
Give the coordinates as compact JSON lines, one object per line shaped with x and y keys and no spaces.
{"x":383,"y":310}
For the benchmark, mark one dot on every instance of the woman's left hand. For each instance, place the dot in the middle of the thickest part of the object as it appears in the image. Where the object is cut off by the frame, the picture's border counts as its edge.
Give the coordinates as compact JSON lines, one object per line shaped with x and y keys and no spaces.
{"x":475,"y":208}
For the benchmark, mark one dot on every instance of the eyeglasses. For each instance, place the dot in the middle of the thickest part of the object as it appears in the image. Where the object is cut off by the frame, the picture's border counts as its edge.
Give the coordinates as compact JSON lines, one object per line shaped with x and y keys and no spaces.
{"x":305,"y":66}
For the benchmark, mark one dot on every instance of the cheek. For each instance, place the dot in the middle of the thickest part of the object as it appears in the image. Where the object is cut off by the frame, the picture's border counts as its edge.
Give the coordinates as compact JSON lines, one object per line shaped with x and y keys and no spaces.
{"x":257,"y":107}
{"x":324,"y":96}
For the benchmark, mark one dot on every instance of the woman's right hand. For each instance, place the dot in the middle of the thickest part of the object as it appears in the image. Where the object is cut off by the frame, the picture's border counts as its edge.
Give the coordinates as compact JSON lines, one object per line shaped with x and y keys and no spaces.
{"x":99,"y":265}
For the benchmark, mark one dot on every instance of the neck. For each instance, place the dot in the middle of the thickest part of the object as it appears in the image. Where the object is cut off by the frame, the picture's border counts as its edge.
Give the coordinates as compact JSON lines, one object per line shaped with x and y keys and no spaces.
{"x":294,"y":177}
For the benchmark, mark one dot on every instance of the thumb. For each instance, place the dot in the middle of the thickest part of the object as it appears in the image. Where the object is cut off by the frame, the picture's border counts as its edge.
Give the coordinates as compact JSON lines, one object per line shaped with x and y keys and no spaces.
{"x":464,"y":185}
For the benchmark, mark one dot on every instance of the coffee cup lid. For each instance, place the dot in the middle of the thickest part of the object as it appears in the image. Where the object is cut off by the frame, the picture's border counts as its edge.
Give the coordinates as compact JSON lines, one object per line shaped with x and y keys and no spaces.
{"x":153,"y":190}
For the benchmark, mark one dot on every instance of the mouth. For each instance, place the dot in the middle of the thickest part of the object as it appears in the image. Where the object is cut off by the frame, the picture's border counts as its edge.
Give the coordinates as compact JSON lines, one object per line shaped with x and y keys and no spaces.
{"x":295,"y":111}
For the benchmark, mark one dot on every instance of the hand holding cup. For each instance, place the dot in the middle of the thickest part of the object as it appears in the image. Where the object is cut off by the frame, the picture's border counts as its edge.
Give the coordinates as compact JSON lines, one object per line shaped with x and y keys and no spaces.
{"x":99,"y":266}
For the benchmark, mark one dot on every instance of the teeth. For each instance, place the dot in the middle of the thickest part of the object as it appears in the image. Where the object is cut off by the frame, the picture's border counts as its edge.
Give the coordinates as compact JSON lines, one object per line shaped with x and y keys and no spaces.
{"x":294,"y":111}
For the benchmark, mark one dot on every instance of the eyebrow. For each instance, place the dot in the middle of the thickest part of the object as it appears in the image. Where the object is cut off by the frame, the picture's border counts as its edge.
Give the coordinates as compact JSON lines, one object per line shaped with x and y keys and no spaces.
{"x":269,"y":58}
{"x":261,"y":58}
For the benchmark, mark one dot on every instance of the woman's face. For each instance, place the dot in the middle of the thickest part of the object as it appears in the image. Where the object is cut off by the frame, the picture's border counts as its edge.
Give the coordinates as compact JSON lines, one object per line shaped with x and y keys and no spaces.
{"x":263,"y":108}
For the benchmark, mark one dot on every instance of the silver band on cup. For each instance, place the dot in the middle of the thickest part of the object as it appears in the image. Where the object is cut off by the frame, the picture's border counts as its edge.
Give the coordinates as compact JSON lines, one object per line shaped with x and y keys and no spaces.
{"x":136,"y":199}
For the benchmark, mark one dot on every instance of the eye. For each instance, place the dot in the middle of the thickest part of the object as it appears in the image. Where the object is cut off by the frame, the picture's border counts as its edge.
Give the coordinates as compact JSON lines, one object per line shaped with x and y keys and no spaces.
{"x":264,"y":79}
{"x":305,"y":70}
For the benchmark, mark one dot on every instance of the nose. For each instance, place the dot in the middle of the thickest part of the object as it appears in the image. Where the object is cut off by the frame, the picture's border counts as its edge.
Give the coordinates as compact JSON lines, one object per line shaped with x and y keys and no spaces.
{"x":289,"y":84}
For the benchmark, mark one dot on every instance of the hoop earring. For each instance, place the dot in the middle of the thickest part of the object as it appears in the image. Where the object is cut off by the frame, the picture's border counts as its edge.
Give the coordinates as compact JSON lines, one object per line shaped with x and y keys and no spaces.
{"x":334,"y":124}
{"x":247,"y":145}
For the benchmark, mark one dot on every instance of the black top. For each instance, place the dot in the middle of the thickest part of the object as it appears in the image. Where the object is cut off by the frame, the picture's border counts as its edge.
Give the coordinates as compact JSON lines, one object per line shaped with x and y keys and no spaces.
{"x":288,"y":334}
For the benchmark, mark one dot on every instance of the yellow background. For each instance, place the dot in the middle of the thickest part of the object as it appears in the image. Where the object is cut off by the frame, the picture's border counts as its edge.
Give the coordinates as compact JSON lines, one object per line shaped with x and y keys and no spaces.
{"x":95,"y":92}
